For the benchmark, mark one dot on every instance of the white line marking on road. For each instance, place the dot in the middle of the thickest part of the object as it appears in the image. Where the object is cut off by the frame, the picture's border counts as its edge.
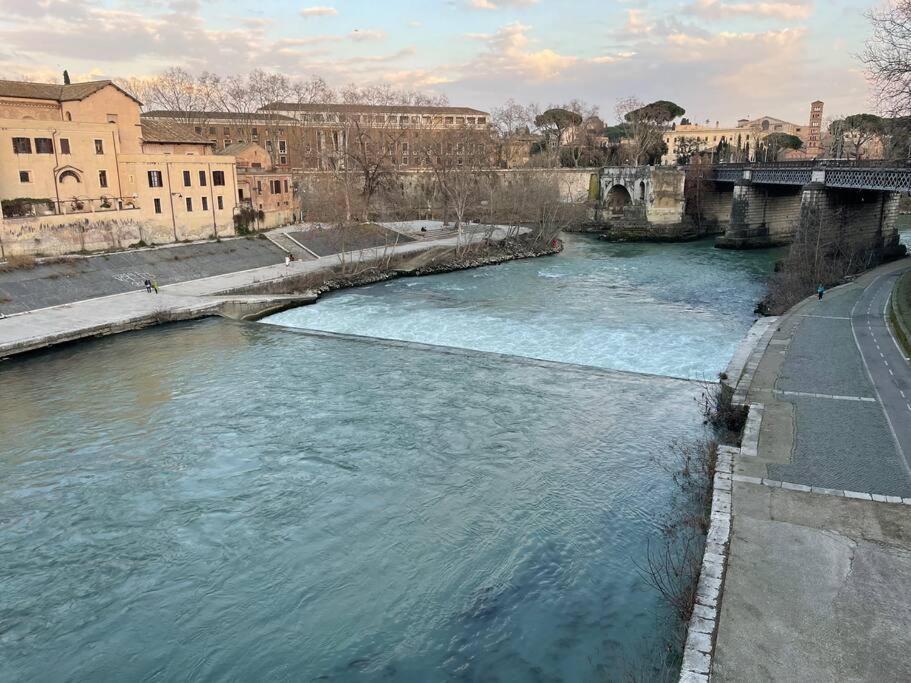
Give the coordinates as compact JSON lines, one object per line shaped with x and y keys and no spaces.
{"x":834,"y":397}
{"x":898,"y":445}
{"x":825,"y":317}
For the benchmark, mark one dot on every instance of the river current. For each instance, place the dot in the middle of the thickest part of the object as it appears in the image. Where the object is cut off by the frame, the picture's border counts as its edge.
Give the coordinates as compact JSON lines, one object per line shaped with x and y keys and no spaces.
{"x":253,"y":501}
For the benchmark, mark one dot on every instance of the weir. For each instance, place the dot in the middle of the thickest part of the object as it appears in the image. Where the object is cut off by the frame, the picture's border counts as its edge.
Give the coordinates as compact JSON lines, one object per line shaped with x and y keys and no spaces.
{"x":608,"y":373}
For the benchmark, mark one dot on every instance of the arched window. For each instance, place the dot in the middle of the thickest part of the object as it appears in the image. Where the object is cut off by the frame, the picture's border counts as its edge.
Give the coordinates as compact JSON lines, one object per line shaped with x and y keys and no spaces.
{"x":66,"y":175}
{"x":69,"y":116}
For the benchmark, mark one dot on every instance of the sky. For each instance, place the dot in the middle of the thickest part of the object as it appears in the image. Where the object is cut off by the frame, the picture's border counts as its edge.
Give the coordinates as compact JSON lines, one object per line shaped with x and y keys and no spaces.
{"x":721,"y":60}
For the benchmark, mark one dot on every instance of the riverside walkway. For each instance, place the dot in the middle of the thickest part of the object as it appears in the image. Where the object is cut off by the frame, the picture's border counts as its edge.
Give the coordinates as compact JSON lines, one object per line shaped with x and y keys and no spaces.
{"x":818,"y":581}
{"x":40,"y":328}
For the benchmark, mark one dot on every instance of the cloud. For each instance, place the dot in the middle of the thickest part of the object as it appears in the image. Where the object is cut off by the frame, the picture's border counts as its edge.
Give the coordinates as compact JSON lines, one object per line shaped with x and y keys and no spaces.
{"x":789,"y":10}
{"x":500,"y":4}
{"x":360,"y":36}
{"x":508,"y":51}
{"x":319,"y":12}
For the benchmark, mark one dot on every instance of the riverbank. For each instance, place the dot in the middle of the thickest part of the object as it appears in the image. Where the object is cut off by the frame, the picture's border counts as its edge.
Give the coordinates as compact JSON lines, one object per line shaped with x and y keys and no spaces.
{"x":818,"y":574}
{"x":250,"y":292}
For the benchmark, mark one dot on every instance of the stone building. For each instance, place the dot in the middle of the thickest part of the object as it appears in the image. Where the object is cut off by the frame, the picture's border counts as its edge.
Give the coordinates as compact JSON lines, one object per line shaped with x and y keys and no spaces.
{"x":318,"y":137}
{"x":79,"y":170}
{"x":742,"y":140}
{"x":261,"y":186}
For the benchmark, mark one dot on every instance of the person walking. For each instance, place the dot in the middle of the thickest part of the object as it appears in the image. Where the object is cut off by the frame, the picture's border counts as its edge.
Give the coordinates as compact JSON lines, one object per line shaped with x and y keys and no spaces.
{"x":820,"y":291}
{"x":155,"y":286}
{"x":148,"y":284}
{"x":287,"y":260}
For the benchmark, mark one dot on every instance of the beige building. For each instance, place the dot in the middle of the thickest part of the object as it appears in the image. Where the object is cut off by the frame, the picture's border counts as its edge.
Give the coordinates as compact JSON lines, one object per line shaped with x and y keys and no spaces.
{"x":739,"y":142}
{"x":80,"y":171}
{"x":310,"y":137}
{"x":261,"y":187}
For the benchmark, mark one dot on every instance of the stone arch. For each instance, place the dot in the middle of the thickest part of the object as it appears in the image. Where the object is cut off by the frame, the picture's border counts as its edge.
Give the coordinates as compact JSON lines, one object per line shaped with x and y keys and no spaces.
{"x":68,"y":176}
{"x":618,"y":197}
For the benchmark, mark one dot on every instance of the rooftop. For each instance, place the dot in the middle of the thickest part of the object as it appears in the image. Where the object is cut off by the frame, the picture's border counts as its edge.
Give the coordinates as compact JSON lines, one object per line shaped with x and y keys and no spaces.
{"x":169,"y":131}
{"x":372,"y":109}
{"x":209,"y":116}
{"x":55,"y":92}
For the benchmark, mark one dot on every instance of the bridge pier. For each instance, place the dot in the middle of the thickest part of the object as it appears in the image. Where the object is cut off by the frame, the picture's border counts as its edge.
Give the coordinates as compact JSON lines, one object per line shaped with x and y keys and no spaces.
{"x":762,"y":216}
{"x":853,"y":223}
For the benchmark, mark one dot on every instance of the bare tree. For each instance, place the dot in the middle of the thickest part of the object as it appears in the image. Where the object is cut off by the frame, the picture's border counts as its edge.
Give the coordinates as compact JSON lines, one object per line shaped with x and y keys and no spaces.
{"x":887,"y":56}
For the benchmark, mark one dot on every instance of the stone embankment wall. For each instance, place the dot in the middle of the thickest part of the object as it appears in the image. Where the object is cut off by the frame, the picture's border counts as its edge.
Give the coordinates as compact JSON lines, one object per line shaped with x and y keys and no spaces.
{"x":415,"y":194}
{"x":58,"y":235}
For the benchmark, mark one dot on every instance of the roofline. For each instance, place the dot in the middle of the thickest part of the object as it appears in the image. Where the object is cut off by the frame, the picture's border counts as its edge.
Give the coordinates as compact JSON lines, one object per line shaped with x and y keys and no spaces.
{"x":106,"y":82}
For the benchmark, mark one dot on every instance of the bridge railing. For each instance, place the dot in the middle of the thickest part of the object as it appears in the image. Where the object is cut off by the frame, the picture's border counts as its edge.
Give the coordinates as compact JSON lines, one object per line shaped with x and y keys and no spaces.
{"x":819,"y":163}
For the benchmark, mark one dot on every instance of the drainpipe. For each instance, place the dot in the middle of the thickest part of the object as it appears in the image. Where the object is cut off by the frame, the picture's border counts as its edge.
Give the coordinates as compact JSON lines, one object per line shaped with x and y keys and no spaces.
{"x":56,"y":166}
{"x":167,"y":168}
{"x":212,"y":200}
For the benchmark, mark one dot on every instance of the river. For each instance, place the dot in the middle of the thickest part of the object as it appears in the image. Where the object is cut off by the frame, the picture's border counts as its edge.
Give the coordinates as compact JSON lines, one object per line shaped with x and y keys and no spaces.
{"x":253,"y":501}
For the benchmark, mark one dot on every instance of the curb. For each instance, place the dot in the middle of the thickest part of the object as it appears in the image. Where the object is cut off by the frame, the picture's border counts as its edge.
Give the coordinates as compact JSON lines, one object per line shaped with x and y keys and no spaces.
{"x":703,"y":625}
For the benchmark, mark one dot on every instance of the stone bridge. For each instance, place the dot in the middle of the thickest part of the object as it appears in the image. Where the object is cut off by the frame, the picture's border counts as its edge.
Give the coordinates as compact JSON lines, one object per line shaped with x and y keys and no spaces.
{"x":639,"y":203}
{"x":762,"y":205}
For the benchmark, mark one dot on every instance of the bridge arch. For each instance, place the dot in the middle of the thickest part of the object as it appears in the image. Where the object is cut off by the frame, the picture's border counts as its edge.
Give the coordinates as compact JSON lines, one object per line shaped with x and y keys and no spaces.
{"x":618,"y":197}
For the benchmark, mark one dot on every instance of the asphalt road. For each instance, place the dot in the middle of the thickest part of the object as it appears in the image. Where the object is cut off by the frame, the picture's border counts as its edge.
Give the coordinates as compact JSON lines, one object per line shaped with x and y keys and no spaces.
{"x":888,"y":369}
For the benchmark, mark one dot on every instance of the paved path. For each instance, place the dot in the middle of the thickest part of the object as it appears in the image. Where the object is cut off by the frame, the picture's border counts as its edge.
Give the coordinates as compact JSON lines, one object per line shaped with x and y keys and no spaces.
{"x":115,"y":313}
{"x":818,"y":584}
{"x":884,"y":360}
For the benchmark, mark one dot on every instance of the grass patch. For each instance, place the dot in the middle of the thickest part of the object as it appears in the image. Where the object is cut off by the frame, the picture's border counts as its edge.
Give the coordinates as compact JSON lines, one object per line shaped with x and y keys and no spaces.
{"x":900,"y":313}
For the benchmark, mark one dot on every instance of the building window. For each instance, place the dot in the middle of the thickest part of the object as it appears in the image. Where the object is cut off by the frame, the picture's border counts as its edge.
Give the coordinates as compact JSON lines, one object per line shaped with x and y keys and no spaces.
{"x":259,"y":186}
{"x":220,"y":201}
{"x":99,"y":146}
{"x":103,"y":178}
{"x":186,"y":179}
{"x":283,"y":160}
{"x":189,"y":204}
{"x":283,"y":147}
{"x":286,"y":187}
{"x":205,"y":203}
{"x":211,"y":130}
{"x":240,"y":194}
{"x":157,"y":203}
{"x":198,"y":130}
{"x":227,"y":144}
{"x":64,"y":146}
{"x":22,"y":146}
{"x":218,"y":178}
{"x":254,"y":133}
{"x":25,"y":176}
{"x":276,"y":187}
{"x":112,"y":118}
{"x":44,"y":146}
{"x":155,"y":179}
{"x":202,"y":178}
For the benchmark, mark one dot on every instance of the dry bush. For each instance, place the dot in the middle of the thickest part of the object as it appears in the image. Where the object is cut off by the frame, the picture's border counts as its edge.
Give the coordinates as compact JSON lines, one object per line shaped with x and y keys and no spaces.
{"x":20,"y":262}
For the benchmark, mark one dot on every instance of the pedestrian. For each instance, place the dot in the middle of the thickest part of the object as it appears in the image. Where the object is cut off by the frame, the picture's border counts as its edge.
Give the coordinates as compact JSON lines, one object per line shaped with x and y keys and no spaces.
{"x":820,"y":291}
{"x":155,"y":285}
{"x":287,"y":260}
{"x":148,"y":284}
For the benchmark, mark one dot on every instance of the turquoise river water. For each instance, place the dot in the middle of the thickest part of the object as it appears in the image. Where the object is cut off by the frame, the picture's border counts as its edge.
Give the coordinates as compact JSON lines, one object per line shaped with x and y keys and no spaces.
{"x":255,"y":501}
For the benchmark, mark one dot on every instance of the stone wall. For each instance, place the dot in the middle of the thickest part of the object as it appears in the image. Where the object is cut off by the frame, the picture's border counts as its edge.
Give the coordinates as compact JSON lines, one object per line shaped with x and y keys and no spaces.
{"x":415,"y":194}
{"x":762,"y":216}
{"x":57,"y":235}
